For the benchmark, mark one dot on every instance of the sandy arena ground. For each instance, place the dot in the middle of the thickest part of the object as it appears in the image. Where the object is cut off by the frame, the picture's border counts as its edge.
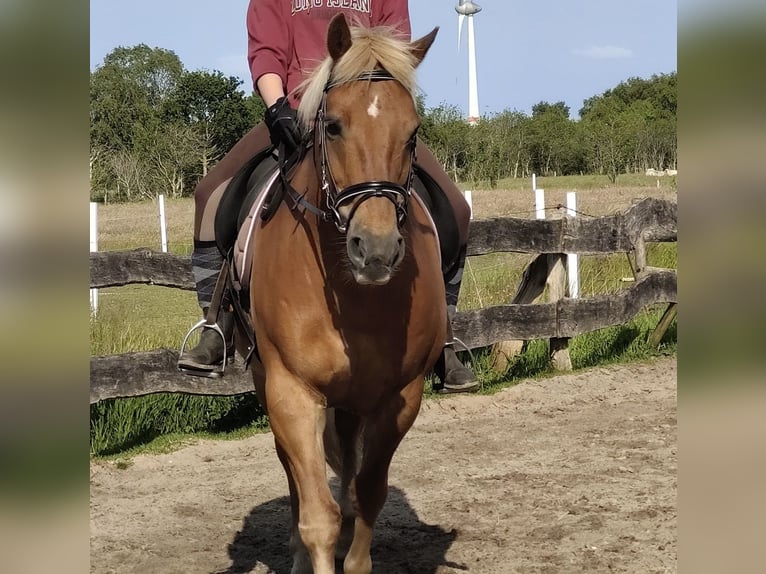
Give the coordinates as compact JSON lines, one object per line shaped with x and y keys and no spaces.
{"x":576,"y":473}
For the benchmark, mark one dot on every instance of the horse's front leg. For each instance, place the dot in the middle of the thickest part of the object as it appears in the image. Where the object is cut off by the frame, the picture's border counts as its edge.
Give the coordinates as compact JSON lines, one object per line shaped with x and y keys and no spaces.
{"x":382,"y":434}
{"x":341,"y":441}
{"x":301,"y":559}
{"x":297,"y":420}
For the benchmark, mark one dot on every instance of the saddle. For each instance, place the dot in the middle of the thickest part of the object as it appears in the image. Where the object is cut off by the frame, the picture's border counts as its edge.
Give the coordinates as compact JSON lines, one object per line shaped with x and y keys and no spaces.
{"x":256,"y":191}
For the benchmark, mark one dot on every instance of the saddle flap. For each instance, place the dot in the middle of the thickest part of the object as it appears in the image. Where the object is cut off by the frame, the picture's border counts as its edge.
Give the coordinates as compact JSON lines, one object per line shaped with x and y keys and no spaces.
{"x":239,"y":196}
{"x":442,"y":214}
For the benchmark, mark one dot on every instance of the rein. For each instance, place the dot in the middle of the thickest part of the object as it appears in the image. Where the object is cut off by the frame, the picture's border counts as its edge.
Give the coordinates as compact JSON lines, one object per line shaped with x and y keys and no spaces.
{"x":335,"y":198}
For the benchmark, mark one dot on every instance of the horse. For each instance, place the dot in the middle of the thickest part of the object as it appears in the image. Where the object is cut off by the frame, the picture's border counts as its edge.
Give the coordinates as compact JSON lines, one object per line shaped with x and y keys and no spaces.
{"x":347,"y":298}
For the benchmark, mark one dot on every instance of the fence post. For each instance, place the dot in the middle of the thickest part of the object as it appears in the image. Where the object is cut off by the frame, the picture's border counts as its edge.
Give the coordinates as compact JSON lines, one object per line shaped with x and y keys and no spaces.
{"x":93,"y":248}
{"x":540,"y":203}
{"x":163,"y":226}
{"x":559,"y":347}
{"x":469,"y":199}
{"x":573,"y":272}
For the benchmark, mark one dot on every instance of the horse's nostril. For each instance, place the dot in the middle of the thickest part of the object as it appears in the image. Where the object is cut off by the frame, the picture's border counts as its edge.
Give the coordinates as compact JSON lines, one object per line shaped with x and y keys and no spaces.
{"x":399,"y":257}
{"x":357,"y":249}
{"x":358,"y":245}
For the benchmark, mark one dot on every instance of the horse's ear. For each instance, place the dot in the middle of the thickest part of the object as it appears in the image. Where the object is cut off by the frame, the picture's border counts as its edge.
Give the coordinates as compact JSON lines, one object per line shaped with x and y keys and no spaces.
{"x":420,"y":47}
{"x":338,"y":37}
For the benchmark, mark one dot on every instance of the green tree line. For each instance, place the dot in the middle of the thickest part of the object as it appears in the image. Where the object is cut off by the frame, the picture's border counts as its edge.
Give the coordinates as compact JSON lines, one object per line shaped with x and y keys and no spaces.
{"x":156,"y":127}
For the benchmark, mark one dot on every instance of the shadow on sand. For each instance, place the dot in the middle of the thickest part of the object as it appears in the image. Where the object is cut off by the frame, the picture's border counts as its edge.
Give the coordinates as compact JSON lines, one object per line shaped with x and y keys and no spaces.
{"x":401,"y":542}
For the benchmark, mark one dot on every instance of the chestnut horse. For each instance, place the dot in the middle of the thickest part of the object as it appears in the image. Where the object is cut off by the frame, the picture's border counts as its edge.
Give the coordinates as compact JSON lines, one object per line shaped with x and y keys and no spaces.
{"x":347,"y":296}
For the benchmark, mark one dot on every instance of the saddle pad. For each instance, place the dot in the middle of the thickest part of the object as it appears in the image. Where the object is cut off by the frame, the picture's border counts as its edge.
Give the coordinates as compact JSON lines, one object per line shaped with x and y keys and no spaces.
{"x":238,"y":197}
{"x":242,"y":252}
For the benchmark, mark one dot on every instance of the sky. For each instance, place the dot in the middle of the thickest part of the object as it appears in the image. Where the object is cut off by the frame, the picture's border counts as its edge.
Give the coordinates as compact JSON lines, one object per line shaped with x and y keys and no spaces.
{"x":527,"y":50}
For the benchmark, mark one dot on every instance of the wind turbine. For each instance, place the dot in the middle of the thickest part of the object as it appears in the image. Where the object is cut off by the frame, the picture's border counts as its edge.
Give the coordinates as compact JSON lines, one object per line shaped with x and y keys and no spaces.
{"x":467,"y":8}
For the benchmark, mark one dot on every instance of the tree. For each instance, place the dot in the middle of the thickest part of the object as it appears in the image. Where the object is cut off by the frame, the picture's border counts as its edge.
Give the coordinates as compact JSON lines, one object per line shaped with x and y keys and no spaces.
{"x":140,"y":99}
{"x":212,"y":105}
{"x":155,"y":70}
{"x":129,"y":174}
{"x":604,"y":133}
{"x":632,"y":126}
{"x":128,"y":90}
{"x":553,"y":143}
{"x":515,"y":127}
{"x":446,"y":132}
{"x":175,"y":151}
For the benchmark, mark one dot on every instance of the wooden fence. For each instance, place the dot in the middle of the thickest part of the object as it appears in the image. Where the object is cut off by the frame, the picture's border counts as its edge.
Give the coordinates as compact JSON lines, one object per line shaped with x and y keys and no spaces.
{"x":650,"y":220}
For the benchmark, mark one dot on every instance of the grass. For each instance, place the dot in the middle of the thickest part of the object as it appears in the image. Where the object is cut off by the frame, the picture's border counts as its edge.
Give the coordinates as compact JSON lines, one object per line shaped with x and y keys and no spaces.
{"x":165,"y":420}
{"x":128,"y":226}
{"x":141,"y":318}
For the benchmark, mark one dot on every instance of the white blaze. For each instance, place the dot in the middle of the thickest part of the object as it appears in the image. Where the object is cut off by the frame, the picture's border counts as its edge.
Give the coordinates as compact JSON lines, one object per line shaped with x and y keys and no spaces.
{"x":373,"y":110}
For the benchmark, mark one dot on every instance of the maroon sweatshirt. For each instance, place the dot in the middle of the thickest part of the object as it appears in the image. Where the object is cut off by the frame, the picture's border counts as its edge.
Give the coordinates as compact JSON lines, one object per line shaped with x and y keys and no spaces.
{"x":289,"y":37}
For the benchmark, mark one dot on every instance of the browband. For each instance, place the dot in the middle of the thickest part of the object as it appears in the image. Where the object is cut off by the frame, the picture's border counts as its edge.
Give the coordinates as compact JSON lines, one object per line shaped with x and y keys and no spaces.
{"x":371,"y":76}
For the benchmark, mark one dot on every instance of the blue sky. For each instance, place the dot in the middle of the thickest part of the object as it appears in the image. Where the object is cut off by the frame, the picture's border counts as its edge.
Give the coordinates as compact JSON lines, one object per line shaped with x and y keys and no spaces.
{"x":528,"y":50}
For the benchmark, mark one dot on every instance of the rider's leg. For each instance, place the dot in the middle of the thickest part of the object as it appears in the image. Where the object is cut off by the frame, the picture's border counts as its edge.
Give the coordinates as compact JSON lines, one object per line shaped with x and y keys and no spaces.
{"x":455,"y":376}
{"x":207,"y":260}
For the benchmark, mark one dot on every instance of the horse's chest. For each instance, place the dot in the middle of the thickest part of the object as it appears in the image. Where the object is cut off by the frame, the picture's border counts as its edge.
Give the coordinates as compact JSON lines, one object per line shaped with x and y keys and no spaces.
{"x":343,"y":358}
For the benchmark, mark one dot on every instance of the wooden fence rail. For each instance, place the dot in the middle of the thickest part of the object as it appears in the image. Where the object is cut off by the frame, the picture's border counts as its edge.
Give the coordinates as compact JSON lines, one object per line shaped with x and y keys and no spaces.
{"x":651,"y":220}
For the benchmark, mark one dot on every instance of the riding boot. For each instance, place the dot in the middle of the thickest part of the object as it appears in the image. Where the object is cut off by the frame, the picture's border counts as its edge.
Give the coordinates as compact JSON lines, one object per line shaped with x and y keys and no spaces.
{"x":207,"y":357}
{"x":454,"y":376}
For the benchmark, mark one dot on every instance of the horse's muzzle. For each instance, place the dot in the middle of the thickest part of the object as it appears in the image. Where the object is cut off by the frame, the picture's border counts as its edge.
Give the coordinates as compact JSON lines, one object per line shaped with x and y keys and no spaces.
{"x":374,"y":258}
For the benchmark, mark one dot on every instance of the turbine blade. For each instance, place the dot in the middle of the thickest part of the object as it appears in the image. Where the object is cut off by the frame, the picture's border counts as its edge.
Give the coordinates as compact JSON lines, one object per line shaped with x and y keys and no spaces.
{"x":460,"y":18}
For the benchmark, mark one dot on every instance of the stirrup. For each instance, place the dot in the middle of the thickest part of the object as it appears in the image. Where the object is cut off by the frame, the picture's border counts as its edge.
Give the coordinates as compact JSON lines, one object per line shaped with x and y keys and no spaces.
{"x":215,"y":372}
{"x":465,"y":347}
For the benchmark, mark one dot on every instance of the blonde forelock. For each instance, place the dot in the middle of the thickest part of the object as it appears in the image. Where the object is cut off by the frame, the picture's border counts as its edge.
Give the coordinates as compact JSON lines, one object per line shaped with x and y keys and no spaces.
{"x":371,"y":48}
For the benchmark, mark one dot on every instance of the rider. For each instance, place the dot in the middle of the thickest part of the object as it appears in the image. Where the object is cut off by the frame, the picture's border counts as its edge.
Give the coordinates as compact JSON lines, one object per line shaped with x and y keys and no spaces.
{"x":286,"y":40}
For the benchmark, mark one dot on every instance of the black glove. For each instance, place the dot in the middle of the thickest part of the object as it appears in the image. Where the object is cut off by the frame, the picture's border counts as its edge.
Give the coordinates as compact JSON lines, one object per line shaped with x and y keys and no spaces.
{"x":282,"y":121}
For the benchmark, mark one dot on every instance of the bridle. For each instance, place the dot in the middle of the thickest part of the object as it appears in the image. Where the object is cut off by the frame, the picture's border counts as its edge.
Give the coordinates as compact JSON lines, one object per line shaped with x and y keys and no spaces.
{"x":336,"y":197}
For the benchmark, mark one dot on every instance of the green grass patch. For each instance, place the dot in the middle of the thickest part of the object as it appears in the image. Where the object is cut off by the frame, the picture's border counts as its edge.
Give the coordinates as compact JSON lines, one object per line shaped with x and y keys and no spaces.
{"x":141,"y":318}
{"x":120,"y":425}
{"x":144,"y":318}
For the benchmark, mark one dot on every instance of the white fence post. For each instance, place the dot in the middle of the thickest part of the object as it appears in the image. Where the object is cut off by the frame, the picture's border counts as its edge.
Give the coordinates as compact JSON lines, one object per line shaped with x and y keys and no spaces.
{"x":540,"y":203}
{"x":534,"y":182}
{"x":163,"y":226}
{"x":469,"y":200}
{"x":573,"y":272}
{"x":93,"y":248}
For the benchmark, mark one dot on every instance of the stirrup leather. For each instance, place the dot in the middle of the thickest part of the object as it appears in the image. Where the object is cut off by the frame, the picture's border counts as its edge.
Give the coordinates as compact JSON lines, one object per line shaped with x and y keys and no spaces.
{"x":463,"y":345}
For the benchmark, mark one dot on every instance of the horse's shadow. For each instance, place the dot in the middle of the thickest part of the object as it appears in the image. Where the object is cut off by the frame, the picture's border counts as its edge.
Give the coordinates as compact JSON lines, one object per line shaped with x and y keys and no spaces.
{"x":401,"y":542}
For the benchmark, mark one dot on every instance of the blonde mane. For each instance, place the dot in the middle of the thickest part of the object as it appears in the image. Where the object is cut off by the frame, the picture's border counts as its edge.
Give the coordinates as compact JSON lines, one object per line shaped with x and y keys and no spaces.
{"x":371,"y":48}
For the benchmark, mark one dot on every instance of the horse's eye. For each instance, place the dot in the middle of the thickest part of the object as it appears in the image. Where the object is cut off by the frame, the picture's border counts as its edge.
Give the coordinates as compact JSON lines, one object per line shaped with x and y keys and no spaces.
{"x":332,"y":128}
